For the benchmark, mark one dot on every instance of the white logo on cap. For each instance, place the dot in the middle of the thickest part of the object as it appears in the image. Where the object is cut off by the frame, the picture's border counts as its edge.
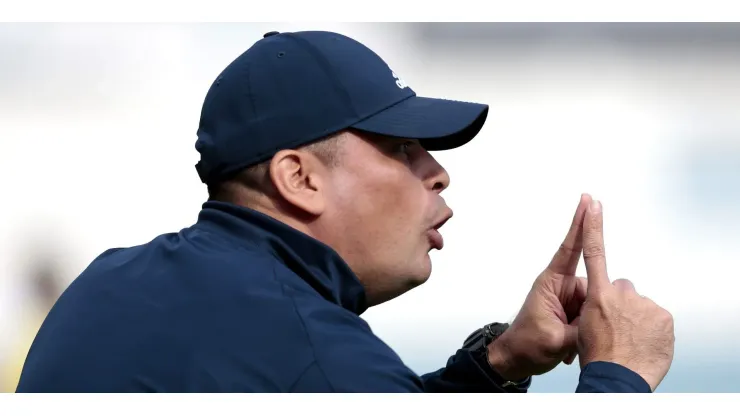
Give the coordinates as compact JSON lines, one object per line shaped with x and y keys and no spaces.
{"x":399,"y":82}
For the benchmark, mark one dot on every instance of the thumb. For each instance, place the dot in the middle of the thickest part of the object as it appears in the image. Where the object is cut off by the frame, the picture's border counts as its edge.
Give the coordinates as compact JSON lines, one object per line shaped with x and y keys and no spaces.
{"x":570,"y":342}
{"x":593,"y":250}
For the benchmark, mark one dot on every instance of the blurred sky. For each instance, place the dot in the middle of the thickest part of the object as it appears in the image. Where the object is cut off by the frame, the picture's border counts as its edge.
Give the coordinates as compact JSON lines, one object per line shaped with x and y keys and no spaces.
{"x":98,"y":131}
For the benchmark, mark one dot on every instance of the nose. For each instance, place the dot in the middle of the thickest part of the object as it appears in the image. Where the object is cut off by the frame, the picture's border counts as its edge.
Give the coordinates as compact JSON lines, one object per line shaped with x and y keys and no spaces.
{"x":437,"y":178}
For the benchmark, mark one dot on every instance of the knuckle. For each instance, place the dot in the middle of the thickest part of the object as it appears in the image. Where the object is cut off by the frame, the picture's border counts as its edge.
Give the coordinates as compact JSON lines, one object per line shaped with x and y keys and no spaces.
{"x":550,"y":340}
{"x":552,"y":348}
{"x":667,"y":317}
{"x":593,"y":250}
{"x":624,"y":284}
{"x":663,"y":318}
{"x":566,"y":250}
{"x":599,"y":300}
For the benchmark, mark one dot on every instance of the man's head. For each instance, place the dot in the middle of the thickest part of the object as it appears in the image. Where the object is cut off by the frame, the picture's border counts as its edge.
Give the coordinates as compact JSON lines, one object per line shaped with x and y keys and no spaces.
{"x":375,"y":200}
{"x":315,"y":130}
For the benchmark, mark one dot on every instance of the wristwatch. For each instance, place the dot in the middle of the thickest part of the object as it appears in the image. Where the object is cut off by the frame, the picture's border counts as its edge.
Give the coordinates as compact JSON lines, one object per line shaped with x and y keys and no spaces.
{"x":478,"y":342}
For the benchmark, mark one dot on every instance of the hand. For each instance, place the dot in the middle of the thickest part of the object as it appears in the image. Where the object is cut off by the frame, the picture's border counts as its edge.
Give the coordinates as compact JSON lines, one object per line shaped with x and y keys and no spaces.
{"x":545,"y":332}
{"x":617,"y":324}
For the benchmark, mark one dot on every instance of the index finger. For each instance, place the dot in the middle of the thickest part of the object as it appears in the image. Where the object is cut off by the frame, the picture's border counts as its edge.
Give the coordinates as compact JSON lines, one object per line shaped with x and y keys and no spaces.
{"x":565,"y":261}
{"x":594,"y":254}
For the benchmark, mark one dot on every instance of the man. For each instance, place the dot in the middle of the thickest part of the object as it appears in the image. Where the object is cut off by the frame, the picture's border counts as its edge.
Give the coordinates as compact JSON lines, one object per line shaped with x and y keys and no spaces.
{"x":324,"y":201}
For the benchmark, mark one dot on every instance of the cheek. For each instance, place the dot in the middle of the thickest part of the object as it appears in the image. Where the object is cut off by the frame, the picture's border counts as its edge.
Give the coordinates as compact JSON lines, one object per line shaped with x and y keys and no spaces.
{"x":396,"y":228}
{"x":386,"y":211}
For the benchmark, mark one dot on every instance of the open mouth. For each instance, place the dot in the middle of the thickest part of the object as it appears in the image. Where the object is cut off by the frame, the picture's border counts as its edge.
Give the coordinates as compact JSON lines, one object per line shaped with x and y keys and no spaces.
{"x":441,"y":223}
{"x":435,"y":238}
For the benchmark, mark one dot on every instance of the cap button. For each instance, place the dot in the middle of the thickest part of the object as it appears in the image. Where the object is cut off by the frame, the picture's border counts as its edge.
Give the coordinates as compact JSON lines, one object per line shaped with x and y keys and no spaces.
{"x":273,"y":33}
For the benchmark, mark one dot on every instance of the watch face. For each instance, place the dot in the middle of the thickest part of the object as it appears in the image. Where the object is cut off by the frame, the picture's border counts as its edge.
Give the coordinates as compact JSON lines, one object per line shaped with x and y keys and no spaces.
{"x":475,"y":340}
{"x":497,"y":329}
{"x":483,"y":336}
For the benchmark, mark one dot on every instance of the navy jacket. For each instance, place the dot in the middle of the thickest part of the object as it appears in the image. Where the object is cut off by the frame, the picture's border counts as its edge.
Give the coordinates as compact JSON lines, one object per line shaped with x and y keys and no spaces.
{"x":238,"y":302}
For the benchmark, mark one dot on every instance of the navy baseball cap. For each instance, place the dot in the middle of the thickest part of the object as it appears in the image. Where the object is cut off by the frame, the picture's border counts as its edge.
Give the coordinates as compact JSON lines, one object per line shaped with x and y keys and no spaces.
{"x":291,"y":89}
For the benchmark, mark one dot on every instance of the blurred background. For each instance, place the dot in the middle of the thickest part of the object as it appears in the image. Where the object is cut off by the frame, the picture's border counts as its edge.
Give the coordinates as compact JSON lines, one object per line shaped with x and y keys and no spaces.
{"x":97,"y":133}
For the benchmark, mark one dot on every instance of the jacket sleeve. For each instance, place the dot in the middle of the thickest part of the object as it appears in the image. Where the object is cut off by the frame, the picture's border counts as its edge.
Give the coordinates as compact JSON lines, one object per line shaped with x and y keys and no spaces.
{"x":382,"y":372}
{"x":605,"y":377}
{"x":469,"y":372}
{"x":350,"y":358}
{"x":357,"y":361}
{"x":466,"y":373}
{"x":368,"y":365}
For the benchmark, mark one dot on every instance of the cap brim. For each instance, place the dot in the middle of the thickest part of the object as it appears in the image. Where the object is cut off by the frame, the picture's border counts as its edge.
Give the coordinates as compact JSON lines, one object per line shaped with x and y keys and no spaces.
{"x":437,"y":124}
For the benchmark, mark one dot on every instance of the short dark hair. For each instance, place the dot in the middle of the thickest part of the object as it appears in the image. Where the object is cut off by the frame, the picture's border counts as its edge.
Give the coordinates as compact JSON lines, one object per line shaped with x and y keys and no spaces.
{"x":257,"y":177}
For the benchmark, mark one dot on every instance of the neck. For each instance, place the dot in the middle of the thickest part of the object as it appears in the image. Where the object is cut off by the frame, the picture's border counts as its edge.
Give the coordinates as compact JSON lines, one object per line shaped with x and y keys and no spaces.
{"x":314,"y":229}
{"x":267,"y":206}
{"x":309,"y":258}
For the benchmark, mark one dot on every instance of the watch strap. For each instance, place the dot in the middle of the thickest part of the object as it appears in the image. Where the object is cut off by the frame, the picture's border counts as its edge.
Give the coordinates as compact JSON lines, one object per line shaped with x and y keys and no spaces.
{"x":478,"y":342}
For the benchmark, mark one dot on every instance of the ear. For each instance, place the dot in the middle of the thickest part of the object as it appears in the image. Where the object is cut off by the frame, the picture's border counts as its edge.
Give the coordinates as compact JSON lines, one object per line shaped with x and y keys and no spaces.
{"x":296,"y":176}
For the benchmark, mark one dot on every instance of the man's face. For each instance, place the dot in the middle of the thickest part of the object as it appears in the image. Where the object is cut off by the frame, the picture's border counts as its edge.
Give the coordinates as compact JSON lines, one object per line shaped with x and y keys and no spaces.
{"x":383,"y":207}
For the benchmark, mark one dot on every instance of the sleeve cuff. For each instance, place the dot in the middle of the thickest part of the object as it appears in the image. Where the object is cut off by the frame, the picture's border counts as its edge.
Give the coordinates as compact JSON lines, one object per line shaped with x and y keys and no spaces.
{"x":499,"y":382}
{"x":606,"y":377}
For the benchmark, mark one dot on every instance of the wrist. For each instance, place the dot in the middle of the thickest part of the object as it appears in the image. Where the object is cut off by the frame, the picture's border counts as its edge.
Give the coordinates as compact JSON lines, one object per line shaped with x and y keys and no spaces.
{"x":503,"y":361}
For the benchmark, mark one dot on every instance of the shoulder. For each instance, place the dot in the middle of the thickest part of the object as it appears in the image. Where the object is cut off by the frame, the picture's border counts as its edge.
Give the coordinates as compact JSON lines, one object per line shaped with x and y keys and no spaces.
{"x":184,"y":319}
{"x":191,"y":259}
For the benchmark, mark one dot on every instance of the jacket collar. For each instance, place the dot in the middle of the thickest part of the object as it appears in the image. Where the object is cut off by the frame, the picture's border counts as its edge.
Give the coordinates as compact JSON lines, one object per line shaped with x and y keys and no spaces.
{"x":313,"y":261}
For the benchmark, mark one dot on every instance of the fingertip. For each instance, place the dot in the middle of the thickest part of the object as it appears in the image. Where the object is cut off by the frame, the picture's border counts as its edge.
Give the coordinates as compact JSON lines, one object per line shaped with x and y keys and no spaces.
{"x":583,"y":203}
{"x":595,"y":207}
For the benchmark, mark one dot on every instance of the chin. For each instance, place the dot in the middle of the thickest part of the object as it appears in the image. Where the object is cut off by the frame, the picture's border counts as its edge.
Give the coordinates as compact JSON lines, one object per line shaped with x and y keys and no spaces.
{"x":425,"y":269}
{"x":417,"y":281}
{"x":399,"y":287}
{"x":403,"y":280}
{"x":421,"y":275}
{"x":405,"y":285}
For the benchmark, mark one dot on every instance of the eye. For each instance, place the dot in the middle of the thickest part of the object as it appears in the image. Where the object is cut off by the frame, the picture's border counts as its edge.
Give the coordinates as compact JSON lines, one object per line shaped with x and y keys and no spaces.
{"x":405,"y":147}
